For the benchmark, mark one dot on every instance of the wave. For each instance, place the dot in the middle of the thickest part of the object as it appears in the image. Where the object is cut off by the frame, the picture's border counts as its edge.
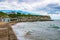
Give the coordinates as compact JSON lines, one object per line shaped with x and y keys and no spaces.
{"x":37,"y":30}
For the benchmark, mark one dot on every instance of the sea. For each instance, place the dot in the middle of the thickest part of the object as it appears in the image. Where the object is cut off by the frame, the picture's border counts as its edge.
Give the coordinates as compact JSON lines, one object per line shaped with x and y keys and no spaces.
{"x":39,"y":30}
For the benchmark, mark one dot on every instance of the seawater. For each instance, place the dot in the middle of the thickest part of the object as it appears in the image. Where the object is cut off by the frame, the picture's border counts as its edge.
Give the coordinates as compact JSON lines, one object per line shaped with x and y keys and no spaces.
{"x":45,"y":30}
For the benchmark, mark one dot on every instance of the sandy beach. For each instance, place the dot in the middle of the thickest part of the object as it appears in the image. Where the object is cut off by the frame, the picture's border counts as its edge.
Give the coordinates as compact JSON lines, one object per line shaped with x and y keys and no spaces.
{"x":6,"y":32}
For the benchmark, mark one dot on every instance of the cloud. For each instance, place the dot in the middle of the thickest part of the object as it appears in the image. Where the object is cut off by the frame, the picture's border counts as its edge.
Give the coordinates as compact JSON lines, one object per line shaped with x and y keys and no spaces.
{"x":25,"y":4}
{"x":50,"y":8}
{"x":55,"y":16}
{"x":30,"y":1}
{"x":41,"y":7}
{"x":2,"y":0}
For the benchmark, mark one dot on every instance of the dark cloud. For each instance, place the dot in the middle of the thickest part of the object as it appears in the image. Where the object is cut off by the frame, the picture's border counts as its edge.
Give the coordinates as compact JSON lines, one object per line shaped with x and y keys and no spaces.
{"x":54,"y":6}
{"x":20,"y":0}
{"x":50,"y":8}
{"x":2,"y":0}
{"x":28,"y":1}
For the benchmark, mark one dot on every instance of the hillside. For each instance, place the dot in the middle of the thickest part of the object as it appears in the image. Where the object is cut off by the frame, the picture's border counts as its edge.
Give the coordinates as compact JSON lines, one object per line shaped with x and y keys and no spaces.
{"x":25,"y":17}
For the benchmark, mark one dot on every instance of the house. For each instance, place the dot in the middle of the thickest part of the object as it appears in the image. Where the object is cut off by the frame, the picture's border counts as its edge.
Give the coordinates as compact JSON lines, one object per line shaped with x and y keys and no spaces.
{"x":4,"y":19}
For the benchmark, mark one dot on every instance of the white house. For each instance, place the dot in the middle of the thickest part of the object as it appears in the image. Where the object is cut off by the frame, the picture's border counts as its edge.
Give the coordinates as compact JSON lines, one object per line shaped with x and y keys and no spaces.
{"x":4,"y":19}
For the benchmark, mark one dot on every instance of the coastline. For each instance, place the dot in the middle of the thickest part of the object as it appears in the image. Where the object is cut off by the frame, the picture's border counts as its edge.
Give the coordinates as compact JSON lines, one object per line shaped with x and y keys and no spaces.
{"x":9,"y":34}
{"x":34,"y":21}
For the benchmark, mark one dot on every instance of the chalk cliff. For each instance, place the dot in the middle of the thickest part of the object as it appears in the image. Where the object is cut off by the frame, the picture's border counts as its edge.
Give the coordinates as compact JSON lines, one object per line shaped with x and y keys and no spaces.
{"x":34,"y":18}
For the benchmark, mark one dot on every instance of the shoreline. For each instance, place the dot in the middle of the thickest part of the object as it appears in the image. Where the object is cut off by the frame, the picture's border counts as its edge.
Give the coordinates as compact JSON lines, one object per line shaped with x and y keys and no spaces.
{"x":33,"y":20}
{"x":14,"y":22}
{"x":9,"y":34}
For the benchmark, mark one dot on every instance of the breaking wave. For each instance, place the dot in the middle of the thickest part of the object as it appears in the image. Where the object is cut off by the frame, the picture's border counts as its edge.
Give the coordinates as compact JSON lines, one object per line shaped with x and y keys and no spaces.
{"x":48,"y":30}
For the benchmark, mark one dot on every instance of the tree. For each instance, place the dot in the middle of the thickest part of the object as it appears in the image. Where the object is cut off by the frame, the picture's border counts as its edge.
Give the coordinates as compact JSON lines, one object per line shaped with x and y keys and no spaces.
{"x":18,"y":14}
{"x":12,"y":15}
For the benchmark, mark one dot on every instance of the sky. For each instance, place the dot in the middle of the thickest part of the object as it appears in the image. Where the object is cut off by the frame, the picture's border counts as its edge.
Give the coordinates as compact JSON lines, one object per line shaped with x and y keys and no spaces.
{"x":40,"y":7}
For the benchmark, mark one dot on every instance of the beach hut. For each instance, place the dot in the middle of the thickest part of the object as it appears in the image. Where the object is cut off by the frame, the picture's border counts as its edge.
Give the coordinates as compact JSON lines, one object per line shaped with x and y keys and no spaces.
{"x":4,"y":19}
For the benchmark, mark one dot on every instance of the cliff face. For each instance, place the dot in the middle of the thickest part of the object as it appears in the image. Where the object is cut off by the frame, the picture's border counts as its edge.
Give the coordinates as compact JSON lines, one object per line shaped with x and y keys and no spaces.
{"x":34,"y":18}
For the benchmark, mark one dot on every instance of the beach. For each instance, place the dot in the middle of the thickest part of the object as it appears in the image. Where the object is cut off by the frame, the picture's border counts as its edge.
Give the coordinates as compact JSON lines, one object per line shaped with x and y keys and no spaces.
{"x":39,"y":30}
{"x":6,"y":32}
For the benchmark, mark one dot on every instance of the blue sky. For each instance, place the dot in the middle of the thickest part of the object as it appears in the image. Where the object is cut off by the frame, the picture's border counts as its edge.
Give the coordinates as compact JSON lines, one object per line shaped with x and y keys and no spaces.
{"x":40,"y":7}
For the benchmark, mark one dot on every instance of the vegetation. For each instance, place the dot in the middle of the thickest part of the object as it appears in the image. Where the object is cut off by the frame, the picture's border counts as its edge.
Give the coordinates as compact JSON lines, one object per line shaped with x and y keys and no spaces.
{"x":2,"y":14}
{"x":24,"y":16}
{"x":13,"y":14}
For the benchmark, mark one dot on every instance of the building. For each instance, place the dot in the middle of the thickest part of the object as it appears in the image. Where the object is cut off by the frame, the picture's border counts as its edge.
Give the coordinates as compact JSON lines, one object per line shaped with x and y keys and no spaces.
{"x":6,"y":19}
